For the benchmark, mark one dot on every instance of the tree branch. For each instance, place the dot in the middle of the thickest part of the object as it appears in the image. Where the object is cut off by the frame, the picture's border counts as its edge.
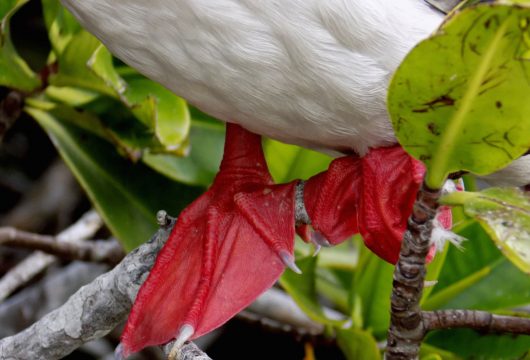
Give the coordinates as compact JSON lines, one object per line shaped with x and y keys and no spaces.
{"x":474,"y":319}
{"x":406,"y":327}
{"x":105,"y":251}
{"x":34,"y":264}
{"x":91,"y":312}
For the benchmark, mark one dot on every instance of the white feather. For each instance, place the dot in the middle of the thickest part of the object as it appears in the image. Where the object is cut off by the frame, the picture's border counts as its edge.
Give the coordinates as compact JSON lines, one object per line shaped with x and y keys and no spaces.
{"x":308,"y":72}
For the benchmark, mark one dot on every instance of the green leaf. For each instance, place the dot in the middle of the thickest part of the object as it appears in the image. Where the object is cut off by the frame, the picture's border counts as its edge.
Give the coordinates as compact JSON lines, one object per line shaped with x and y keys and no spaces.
{"x":202,"y":163}
{"x":373,"y":284}
{"x":479,"y":277}
{"x":429,"y":352}
{"x":61,"y":24}
{"x":126,"y":195}
{"x":302,"y":288}
{"x":505,"y":215}
{"x":73,"y":68}
{"x":289,"y":162}
{"x":14,"y":72}
{"x":168,"y":113}
{"x":461,"y":99}
{"x":470,"y":344}
{"x":357,"y":344}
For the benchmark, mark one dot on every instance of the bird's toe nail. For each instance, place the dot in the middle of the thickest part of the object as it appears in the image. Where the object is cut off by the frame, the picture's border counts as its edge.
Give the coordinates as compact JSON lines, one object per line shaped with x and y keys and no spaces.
{"x":288,"y":260}
{"x":318,"y":239}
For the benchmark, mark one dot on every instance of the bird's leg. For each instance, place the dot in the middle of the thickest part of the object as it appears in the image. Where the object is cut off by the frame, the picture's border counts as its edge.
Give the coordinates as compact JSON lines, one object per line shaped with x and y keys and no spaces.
{"x":226,"y":248}
{"x":372,"y":195}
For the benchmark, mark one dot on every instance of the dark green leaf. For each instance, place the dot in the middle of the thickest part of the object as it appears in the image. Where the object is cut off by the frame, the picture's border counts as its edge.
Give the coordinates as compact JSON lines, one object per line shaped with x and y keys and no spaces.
{"x":126,"y":195}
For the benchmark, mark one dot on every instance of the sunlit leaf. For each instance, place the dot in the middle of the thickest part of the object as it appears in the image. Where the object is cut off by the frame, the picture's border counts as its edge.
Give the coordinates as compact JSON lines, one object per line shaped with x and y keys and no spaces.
{"x":61,"y":24}
{"x":358,"y":344}
{"x":289,"y":162}
{"x":461,"y":99}
{"x":505,"y":215}
{"x":126,"y":195}
{"x":14,"y":72}
{"x":202,"y":163}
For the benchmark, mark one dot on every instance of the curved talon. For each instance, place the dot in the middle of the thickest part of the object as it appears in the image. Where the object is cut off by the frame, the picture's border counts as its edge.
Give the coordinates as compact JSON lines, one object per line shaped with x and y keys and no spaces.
{"x":317,"y":250}
{"x":118,"y":352}
{"x":288,"y":260}
{"x":319,"y":239}
{"x":185,"y":333}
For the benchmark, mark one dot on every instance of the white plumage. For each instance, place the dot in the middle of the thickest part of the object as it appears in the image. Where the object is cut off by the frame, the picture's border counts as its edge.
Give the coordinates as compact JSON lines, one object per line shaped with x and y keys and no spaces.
{"x":307,"y":72}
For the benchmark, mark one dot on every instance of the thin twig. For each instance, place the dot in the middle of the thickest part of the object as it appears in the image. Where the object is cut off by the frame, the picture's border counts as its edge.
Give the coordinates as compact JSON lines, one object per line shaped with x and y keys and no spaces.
{"x":34,"y":264}
{"x":474,"y":319}
{"x":106,"y":251}
{"x":406,"y":328}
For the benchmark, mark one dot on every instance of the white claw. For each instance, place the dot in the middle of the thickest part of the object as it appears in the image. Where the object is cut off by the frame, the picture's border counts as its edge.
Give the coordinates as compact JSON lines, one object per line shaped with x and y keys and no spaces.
{"x":288,"y":260}
{"x":185,"y":333}
{"x":317,"y":250}
{"x":118,"y":352}
{"x":319,"y":239}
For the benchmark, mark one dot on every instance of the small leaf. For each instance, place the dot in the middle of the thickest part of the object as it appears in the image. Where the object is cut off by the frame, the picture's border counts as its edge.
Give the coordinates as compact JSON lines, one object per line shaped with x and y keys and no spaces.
{"x":14,"y":72}
{"x":202,"y":163}
{"x":73,"y":68}
{"x":126,"y":195}
{"x":302,"y":289}
{"x":505,"y":215}
{"x":358,"y":344}
{"x":169,"y":116}
{"x":61,"y":24}
{"x":461,"y":99}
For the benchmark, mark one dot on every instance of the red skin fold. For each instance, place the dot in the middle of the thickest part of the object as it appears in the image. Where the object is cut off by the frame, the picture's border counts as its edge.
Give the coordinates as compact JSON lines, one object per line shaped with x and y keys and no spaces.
{"x":224,"y":249}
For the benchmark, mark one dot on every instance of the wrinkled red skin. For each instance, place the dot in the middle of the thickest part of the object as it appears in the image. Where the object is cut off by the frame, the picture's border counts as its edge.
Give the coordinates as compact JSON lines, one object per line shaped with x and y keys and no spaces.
{"x":223,"y":251}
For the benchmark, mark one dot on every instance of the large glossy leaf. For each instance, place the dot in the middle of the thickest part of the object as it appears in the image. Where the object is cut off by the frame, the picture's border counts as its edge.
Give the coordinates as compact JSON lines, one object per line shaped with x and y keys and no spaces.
{"x":461,"y":99}
{"x":14,"y":72}
{"x":358,"y":344}
{"x":505,"y":215}
{"x":126,"y":195}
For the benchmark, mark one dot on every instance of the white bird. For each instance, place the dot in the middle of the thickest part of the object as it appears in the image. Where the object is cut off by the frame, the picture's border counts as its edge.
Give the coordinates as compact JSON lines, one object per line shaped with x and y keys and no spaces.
{"x":307,"y":72}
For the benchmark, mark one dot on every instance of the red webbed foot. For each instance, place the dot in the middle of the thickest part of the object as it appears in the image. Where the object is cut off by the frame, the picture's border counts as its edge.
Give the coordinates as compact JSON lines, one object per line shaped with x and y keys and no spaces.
{"x":372,"y":195}
{"x":225,"y":249}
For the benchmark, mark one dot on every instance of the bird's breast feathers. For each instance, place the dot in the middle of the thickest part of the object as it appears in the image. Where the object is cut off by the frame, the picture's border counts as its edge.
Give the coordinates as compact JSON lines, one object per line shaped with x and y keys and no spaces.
{"x":308,"y":72}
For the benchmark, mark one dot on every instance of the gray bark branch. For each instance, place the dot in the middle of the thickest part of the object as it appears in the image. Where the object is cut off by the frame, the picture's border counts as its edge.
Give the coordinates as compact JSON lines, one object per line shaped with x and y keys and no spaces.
{"x":105,"y":251}
{"x":474,"y":319}
{"x":406,"y":326}
{"x":37,"y":262}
